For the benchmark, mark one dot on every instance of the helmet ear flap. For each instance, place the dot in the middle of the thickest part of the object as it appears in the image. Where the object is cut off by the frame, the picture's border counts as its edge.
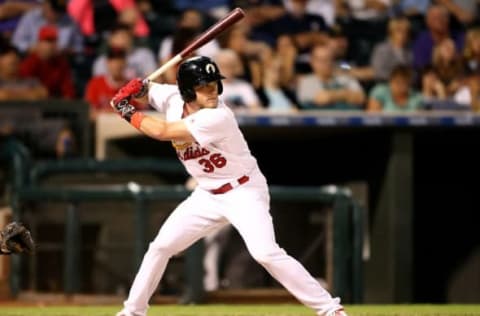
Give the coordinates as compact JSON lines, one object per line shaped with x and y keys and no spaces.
{"x":189,"y":95}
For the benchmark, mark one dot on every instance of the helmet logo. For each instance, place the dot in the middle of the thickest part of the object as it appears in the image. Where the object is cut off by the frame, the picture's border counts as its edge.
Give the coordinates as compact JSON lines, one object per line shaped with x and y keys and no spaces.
{"x":210,"y":68}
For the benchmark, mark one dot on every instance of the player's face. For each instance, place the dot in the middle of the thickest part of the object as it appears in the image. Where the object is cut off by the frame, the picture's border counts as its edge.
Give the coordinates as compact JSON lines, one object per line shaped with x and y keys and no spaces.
{"x":207,"y":95}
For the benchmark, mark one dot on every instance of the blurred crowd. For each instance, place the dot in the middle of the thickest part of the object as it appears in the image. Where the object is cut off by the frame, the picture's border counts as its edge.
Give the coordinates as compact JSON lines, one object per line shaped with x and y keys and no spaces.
{"x":285,"y":55}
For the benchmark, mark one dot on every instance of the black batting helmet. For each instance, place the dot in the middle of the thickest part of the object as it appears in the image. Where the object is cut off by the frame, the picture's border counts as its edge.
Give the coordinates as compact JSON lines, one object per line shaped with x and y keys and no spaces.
{"x":196,"y":71}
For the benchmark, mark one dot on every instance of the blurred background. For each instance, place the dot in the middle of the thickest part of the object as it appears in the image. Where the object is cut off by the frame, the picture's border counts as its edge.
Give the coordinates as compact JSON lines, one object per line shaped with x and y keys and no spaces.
{"x":363,"y":115}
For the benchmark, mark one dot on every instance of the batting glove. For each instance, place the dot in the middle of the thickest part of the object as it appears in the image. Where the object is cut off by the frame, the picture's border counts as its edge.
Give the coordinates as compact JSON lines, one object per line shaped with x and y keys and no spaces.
{"x":134,"y":88}
{"x":122,"y":103}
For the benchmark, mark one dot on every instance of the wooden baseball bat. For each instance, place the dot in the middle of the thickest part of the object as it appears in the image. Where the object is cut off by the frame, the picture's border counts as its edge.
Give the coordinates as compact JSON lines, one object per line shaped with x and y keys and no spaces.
{"x":233,"y":17}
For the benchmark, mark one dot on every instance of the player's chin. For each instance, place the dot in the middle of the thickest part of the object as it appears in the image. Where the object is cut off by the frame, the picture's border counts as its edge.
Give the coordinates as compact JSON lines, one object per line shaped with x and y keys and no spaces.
{"x":211,"y":103}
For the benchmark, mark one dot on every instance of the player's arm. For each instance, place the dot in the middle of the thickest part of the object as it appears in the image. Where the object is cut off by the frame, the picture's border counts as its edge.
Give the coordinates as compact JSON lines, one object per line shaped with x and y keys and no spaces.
{"x":162,"y":130}
{"x":134,"y":93}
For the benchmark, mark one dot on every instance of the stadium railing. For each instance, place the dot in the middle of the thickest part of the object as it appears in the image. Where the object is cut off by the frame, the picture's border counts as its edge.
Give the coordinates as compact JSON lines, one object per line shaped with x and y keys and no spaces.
{"x":74,"y":112}
{"x":346,"y":279}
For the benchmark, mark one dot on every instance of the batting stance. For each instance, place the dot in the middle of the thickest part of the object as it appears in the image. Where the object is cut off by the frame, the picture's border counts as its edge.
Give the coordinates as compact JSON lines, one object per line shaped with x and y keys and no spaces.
{"x":231,"y":188}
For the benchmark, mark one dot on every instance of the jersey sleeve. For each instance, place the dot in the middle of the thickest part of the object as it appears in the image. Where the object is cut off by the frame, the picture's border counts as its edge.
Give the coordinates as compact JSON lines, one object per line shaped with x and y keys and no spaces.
{"x":210,"y":125}
{"x":159,"y":95}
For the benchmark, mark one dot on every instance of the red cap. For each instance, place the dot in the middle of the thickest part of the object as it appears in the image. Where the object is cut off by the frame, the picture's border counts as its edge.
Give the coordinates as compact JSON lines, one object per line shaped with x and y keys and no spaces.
{"x":47,"y":33}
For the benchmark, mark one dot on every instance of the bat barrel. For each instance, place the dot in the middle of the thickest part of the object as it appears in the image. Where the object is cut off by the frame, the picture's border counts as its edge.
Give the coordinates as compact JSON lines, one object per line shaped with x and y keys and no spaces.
{"x":233,"y":17}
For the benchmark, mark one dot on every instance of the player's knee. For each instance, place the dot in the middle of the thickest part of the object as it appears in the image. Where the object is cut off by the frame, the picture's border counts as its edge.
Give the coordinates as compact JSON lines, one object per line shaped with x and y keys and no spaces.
{"x":164,"y":247}
{"x":265,"y":257}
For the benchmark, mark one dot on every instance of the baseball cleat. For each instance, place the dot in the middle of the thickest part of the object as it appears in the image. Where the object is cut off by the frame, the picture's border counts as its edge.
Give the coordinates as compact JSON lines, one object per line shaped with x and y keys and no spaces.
{"x":338,"y":312}
{"x":125,"y":313}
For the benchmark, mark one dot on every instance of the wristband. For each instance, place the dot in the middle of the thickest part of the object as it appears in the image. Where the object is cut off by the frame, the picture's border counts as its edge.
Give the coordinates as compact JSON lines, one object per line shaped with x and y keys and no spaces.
{"x":136,"y":119}
{"x":124,"y":109}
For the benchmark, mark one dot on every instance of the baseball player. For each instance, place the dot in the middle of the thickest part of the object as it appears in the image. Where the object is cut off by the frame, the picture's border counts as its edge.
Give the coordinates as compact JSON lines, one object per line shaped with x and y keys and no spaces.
{"x":231,"y":188}
{"x":15,"y":238}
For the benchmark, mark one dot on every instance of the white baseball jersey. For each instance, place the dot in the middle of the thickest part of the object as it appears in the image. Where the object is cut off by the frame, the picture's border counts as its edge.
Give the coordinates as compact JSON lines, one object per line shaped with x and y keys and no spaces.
{"x":220,"y":154}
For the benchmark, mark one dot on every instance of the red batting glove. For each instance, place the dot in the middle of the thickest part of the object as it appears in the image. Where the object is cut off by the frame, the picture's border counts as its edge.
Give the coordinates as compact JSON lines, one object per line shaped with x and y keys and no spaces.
{"x":133,"y":88}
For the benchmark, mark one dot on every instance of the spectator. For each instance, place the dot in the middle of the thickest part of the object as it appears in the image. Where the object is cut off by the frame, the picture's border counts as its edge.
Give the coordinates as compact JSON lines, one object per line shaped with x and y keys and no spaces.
{"x":415,"y":11}
{"x":369,"y":11}
{"x":325,"y":88}
{"x":463,"y":12}
{"x":46,"y":137}
{"x":277,"y":97}
{"x":471,"y":51}
{"x":393,"y":51}
{"x":286,"y":52}
{"x":10,"y":13}
{"x":468,"y":94}
{"x":365,"y":25}
{"x":50,"y":66}
{"x":237,"y":93}
{"x":215,"y":8}
{"x":96,"y":17}
{"x":305,"y":29}
{"x":432,"y":87}
{"x":258,"y":12}
{"x":396,"y":95}
{"x":438,"y":29}
{"x":51,"y":12}
{"x":174,"y":44}
{"x":411,"y":8}
{"x":12,"y":86}
{"x":448,"y":64}
{"x":252,"y":53}
{"x":101,"y":89}
{"x":140,"y":60}
{"x":193,"y":20}
{"x":326,"y":8}
{"x":132,"y":17}
{"x":190,"y":24}
{"x":339,"y":44}
{"x":161,"y":18}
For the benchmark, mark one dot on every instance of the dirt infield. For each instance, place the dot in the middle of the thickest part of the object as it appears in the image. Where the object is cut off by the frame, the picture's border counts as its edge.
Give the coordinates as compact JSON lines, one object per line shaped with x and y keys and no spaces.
{"x":251,"y":296}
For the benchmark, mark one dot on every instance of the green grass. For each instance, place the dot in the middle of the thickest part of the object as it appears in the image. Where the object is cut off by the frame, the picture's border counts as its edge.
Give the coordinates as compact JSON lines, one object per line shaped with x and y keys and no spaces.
{"x":246,"y":310}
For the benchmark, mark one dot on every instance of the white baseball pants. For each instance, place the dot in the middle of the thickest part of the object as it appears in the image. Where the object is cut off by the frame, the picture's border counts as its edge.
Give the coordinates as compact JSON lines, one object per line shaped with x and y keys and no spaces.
{"x":246,"y":207}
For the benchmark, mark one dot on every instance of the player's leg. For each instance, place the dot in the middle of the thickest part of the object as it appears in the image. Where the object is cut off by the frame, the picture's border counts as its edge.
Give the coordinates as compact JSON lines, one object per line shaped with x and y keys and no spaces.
{"x":249,"y":214}
{"x":190,"y":221}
